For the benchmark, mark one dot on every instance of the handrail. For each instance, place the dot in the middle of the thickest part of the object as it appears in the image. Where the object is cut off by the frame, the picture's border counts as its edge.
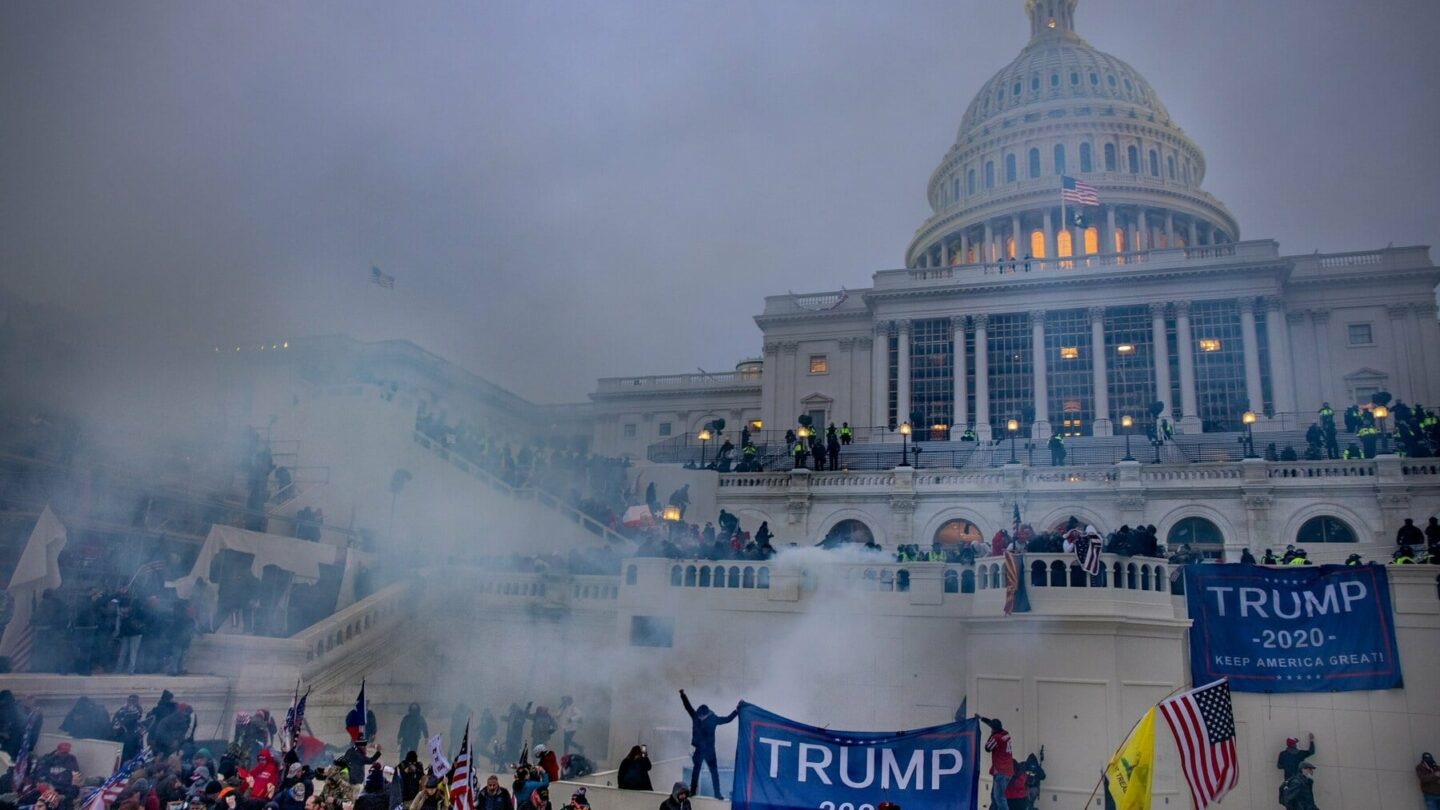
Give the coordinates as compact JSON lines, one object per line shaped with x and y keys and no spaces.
{"x":529,"y":492}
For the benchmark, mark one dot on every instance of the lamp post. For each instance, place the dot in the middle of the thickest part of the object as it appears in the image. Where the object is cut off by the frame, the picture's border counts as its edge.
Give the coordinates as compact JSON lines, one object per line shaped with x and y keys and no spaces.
{"x":904,"y":444}
{"x":1013,"y":425}
{"x":1380,"y":412}
{"x":704,"y":438}
{"x":1248,"y":418}
{"x":671,"y":516}
{"x":1126,"y":422}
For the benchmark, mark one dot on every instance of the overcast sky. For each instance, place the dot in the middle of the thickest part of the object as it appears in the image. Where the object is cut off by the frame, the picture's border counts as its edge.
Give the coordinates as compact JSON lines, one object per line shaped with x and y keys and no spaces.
{"x":571,"y":190}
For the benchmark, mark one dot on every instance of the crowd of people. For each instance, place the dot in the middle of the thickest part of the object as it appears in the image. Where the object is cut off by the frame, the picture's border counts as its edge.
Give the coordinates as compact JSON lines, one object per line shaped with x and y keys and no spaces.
{"x":1403,"y":429}
{"x":723,"y":539}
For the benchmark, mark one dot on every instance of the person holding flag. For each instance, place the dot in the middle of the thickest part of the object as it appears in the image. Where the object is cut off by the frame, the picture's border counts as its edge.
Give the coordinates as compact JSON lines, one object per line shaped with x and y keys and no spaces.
{"x":462,"y":791}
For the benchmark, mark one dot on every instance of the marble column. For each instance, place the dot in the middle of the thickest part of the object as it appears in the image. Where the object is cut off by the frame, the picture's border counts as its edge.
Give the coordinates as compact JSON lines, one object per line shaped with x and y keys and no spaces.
{"x":960,"y":418}
{"x":1050,"y":252}
{"x":902,"y":374}
{"x":1190,"y":233}
{"x":769,"y":385}
{"x":880,"y":375}
{"x":1169,"y":229}
{"x":1325,"y":373}
{"x":1162,"y":355}
{"x":1100,"y":380}
{"x":1185,"y":346}
{"x":1250,"y":343}
{"x":1400,"y":339}
{"x":986,"y":256}
{"x":945,"y":254}
{"x":1107,"y":239}
{"x":964,"y":247}
{"x":1282,"y":381}
{"x":982,"y":378}
{"x":1021,"y":246}
{"x":1040,"y":431}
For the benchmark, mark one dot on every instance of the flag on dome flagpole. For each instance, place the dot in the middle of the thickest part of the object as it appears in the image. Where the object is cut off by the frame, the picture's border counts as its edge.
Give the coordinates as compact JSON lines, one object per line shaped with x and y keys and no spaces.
{"x":1078,"y":192}
{"x":1204,"y":727}
{"x":460,"y":794}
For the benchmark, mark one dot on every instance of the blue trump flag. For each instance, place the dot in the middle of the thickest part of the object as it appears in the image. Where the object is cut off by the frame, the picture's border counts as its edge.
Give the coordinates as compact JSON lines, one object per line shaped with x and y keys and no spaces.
{"x":1322,"y":628}
{"x":784,"y":765}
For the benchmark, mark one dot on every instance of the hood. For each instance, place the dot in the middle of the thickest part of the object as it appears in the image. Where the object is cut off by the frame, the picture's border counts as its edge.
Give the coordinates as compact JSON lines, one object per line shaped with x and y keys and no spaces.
{"x":680,"y":787}
{"x":703,"y":711}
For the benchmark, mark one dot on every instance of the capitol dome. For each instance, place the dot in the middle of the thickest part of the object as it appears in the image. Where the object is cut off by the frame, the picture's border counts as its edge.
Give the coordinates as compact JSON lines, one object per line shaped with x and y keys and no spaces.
{"x":1063,"y":108}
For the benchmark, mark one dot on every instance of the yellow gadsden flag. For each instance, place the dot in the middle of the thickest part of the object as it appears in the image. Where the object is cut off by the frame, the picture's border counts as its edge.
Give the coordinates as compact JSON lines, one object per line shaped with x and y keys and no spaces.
{"x":1127,"y":776}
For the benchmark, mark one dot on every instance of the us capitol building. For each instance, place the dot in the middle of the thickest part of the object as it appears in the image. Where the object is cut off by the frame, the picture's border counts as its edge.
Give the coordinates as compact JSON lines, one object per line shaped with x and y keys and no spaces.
{"x":1019,"y":316}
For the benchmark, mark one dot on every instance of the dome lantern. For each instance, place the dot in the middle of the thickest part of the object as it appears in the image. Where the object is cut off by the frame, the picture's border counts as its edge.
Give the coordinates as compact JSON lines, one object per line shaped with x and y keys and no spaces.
{"x":1050,"y":17}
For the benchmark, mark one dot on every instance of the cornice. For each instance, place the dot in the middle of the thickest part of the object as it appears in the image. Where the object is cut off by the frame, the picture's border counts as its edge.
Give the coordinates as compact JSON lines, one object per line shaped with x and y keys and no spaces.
{"x":1069,"y":281}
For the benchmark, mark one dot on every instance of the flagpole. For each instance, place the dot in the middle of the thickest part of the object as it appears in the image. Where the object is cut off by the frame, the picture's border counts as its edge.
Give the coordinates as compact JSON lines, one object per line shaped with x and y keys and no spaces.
{"x":1064,"y":223}
{"x":1123,"y":740}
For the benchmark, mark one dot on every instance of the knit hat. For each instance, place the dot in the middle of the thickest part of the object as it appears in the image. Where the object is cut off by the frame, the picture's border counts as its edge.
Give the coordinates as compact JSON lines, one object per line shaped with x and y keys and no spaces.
{"x":1289,"y":741}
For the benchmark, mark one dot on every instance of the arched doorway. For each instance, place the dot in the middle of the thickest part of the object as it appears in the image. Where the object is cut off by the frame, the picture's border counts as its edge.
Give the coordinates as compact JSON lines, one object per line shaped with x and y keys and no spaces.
{"x":848,"y":531}
{"x":1203,"y":537}
{"x":1325,"y":529}
{"x":957,"y":532}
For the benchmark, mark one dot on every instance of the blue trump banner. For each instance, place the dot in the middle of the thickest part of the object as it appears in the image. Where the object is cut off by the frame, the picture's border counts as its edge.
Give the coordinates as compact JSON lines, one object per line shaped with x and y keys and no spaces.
{"x":784,"y":765}
{"x":1322,"y":628}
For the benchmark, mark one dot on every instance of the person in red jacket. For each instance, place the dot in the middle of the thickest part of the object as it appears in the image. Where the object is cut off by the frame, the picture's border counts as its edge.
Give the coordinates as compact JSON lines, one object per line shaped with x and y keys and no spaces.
{"x":1002,"y":762}
{"x":264,"y":777}
{"x":1017,"y":792}
{"x":547,"y":760}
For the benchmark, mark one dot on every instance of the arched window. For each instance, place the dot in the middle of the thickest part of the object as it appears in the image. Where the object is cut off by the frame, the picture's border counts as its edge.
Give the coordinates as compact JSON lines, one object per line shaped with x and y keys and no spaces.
{"x":630,"y":574}
{"x":952,"y":581}
{"x":1034,"y":162}
{"x":748,"y":579}
{"x":1132,"y":155}
{"x":999,"y":95}
{"x":1110,"y":157}
{"x":1059,"y":158}
{"x":1110,"y":77}
{"x":1094,"y":79}
{"x":902,"y":580}
{"x":1054,"y":79}
{"x":1035,"y":83}
{"x":705,"y":577}
{"x":955,"y":532}
{"x":1202,"y":536}
{"x":762,"y":579}
{"x":675,"y":576}
{"x":1078,"y":577}
{"x":1086,"y":164}
{"x":1016,"y":89}
{"x":734,"y":576}
{"x":1131,"y":578}
{"x":1325,"y":529}
{"x":689,"y":576}
{"x":848,"y":531}
{"x":1074,"y":79}
{"x":1154,"y":163}
{"x":1063,"y":247}
{"x":989,"y":174}
{"x":1038,"y":570}
{"x":1092,"y":240}
{"x":970,"y":182}
{"x":1144,"y":577}
{"x":1037,"y":244}
{"x":1010,"y":168}
{"x":967,"y":581}
{"x":1057,"y":574}
{"x":1170,"y":166}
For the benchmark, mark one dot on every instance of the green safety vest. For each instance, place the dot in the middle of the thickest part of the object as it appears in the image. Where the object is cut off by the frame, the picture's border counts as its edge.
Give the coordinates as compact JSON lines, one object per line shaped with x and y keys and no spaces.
{"x":801,"y":449}
{"x":846,"y":432}
{"x":1298,"y":561}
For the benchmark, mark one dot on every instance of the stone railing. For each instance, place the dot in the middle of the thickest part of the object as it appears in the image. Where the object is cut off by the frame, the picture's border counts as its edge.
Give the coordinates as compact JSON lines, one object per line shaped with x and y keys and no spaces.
{"x":1321,"y":469}
{"x":724,"y":378}
{"x":1227,"y":472}
{"x":355,"y":623}
{"x":771,"y":480}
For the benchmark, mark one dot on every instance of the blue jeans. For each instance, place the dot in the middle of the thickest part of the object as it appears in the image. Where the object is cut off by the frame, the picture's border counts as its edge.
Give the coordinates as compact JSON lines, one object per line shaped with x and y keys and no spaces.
{"x":129,"y":649}
{"x":1432,"y":803}
{"x":998,"y":783}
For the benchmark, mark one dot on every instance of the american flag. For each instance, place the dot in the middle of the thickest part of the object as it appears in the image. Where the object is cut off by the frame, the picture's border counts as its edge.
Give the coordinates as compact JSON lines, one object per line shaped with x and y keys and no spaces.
{"x":460,"y":793}
{"x":380,"y":279}
{"x":295,"y":719}
{"x":1204,"y":729}
{"x":1087,"y":551}
{"x":1074,"y":191}
{"x":27,"y":746}
{"x":102,"y":796}
{"x":24,"y":642}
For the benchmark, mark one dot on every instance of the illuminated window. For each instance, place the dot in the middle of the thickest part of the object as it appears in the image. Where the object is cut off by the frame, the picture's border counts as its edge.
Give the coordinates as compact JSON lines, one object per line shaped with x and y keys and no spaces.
{"x":1092,"y":240}
{"x":1051,"y":23}
{"x":1037,"y":244}
{"x":1209,"y":345}
{"x":1062,"y":243}
{"x":1119,"y":240}
{"x":819,"y":364}
{"x":1069,"y":353}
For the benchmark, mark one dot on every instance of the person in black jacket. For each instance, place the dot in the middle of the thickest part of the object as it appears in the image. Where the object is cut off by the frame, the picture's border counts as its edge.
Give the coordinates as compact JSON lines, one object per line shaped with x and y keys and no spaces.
{"x":1298,"y":792}
{"x":703,"y":723}
{"x":493,"y":796}
{"x":1292,"y":757}
{"x":679,"y":798}
{"x":413,"y":729}
{"x":634,"y":772}
{"x":374,"y":796}
{"x":356,"y":760}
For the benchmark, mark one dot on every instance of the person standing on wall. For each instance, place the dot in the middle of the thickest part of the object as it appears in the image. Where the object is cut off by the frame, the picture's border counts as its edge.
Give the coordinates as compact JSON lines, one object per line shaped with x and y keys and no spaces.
{"x":1002,"y":762}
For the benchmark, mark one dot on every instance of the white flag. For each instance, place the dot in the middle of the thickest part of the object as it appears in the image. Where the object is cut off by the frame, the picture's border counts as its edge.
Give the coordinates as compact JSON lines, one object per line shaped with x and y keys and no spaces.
{"x":439,"y":765}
